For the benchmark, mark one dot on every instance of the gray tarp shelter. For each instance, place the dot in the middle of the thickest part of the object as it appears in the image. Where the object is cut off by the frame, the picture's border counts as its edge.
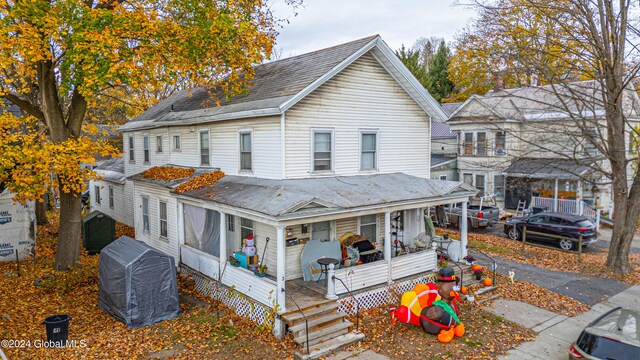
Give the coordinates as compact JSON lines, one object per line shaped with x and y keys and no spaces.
{"x":137,"y":283}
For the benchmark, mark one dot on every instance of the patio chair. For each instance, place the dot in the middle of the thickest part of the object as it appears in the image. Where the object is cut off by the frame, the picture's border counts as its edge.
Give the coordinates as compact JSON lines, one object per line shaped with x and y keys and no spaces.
{"x":315,"y":270}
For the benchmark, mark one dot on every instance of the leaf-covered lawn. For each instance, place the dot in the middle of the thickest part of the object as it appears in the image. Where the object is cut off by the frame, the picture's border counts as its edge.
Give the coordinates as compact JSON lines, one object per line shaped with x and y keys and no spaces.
{"x":198,"y":334}
{"x":592,"y":263}
{"x":487,"y":336}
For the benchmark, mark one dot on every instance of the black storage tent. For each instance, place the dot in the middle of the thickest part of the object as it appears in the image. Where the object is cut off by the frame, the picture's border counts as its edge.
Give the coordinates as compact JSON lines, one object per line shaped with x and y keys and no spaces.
{"x":137,"y":283}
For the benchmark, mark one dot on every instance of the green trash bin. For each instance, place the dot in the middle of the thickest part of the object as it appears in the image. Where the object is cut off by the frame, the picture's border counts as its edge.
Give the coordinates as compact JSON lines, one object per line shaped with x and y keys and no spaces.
{"x":98,"y":231}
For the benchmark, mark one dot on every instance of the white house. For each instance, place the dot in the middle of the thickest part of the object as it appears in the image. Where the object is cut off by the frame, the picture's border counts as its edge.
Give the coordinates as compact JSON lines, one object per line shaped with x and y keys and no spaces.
{"x":323,"y":144}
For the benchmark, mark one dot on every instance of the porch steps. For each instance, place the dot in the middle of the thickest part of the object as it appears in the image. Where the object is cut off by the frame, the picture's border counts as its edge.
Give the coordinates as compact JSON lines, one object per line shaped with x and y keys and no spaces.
{"x":328,"y":329}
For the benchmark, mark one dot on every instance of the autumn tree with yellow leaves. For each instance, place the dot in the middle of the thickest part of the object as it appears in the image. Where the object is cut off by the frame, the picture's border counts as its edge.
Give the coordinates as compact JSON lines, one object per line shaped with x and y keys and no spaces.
{"x":59,"y":60}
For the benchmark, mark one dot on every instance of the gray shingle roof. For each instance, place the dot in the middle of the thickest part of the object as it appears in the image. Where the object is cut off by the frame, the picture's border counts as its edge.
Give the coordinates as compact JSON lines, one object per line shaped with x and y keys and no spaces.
{"x":439,"y":159}
{"x":449,"y":108}
{"x":6,"y":105}
{"x":546,"y":168}
{"x":539,"y":103}
{"x":112,"y":170}
{"x":278,"y":85}
{"x":441,"y":130}
{"x":281,"y":198}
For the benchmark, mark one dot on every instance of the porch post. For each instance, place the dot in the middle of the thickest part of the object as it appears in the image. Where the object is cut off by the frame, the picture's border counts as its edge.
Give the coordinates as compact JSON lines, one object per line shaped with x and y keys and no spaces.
{"x":463,"y":230}
{"x":579,"y":198}
{"x":223,"y":240}
{"x":278,"y":324}
{"x":280,"y":268}
{"x":180,"y":229}
{"x":555,"y":197}
{"x":387,"y":243}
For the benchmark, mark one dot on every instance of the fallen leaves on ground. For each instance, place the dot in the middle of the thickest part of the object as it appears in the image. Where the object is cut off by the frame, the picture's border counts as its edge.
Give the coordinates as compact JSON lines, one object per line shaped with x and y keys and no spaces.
{"x":125,"y":230}
{"x":487,"y":336}
{"x":205,"y":330}
{"x":592,"y":263}
{"x":168,"y":173}
{"x":200,"y":181}
{"x":535,"y":295}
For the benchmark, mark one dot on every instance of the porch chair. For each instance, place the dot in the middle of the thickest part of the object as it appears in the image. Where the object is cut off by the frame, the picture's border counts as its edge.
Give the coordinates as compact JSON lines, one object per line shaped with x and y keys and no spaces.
{"x":315,"y":270}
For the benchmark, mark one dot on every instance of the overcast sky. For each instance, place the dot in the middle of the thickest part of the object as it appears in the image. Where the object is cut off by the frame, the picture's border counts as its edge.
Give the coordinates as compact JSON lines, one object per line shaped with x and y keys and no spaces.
{"x":324,"y":23}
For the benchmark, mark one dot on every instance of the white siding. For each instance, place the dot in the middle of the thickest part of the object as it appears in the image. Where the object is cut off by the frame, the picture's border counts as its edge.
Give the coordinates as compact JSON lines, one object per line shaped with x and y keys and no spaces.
{"x":344,"y":226}
{"x":362,"y":276}
{"x":411,"y":264}
{"x":363,"y":96}
{"x":152,"y":237}
{"x":224,"y":145}
{"x":122,"y":200}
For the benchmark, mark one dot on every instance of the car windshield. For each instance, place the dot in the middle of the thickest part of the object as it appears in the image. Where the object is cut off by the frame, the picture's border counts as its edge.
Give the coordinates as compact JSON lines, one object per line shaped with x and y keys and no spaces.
{"x":615,"y":336}
{"x":604,"y":348}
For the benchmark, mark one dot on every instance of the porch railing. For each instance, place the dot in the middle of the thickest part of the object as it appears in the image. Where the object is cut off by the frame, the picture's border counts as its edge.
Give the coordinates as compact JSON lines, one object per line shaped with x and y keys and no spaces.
{"x":354,"y":299}
{"x":568,"y":206}
{"x":306,"y":322}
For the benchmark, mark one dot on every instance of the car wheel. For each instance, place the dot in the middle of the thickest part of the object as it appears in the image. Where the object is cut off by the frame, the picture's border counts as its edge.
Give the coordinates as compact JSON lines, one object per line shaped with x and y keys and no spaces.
{"x":514,"y":233}
{"x":566,"y":244}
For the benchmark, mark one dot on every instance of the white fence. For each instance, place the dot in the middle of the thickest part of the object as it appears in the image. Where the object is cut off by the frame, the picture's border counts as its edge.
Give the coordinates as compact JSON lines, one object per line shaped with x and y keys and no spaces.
{"x":569,"y":207}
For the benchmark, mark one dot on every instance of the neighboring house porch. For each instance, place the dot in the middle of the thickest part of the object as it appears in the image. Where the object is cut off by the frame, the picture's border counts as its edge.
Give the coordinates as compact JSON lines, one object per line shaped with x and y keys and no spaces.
{"x":554,"y":185}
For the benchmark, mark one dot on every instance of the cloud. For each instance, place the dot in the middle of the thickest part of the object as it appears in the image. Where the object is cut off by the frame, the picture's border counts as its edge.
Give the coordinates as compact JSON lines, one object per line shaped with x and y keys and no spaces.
{"x":324,"y":23}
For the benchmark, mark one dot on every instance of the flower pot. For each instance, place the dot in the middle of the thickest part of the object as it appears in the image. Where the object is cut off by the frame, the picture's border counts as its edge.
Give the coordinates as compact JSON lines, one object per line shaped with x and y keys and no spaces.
{"x":256,"y":273}
{"x":478,"y":276}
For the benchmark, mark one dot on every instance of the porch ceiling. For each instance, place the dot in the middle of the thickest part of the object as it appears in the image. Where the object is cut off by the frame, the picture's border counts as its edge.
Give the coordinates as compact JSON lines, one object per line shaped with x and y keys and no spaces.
{"x":282,"y":199}
{"x":546,"y":169}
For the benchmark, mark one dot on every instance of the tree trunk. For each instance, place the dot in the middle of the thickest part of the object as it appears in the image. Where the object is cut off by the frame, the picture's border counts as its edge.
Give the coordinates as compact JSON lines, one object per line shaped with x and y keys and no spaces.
{"x":41,"y":210}
{"x":70,"y":230}
{"x":627,"y":208}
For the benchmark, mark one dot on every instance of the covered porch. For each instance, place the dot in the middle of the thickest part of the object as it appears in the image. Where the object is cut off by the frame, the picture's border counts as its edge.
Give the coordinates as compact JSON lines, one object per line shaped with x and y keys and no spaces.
{"x":295,"y":223}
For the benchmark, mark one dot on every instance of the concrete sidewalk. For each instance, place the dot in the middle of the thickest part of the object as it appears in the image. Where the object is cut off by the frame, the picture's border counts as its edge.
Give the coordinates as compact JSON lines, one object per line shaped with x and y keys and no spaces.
{"x":555,"y":331}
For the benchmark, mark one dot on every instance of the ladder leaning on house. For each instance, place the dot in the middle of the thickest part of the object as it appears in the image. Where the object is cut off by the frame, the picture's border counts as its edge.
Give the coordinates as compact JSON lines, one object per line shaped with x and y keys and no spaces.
{"x":521,"y":208}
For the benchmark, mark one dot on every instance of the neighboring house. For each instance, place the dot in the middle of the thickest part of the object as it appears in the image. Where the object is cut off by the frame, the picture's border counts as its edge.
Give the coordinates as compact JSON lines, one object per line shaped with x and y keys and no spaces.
{"x":322,"y":144}
{"x":444,"y":147}
{"x":113,"y":194}
{"x":524,"y":142}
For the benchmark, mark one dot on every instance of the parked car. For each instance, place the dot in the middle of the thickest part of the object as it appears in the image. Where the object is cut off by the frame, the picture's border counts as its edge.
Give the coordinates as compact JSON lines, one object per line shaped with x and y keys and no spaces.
{"x":614,"y":335}
{"x":480,"y":214}
{"x":553,"y":223}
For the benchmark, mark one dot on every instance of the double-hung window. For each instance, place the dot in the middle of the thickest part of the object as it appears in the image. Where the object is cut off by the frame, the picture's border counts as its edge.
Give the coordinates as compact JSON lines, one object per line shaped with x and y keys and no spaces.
{"x":245,"y":150}
{"x":132,"y":157}
{"x":246,"y":228}
{"x":481,"y":147}
{"x":480,"y":185}
{"x":110,"y":196}
{"x":159,"y":143}
{"x":369,"y":227}
{"x":145,"y":213}
{"x":176,"y":142}
{"x":231,"y":223}
{"x":321,"y":231}
{"x":145,"y":146}
{"x":500,"y":143}
{"x":368,"y":150}
{"x":468,"y":143}
{"x":204,"y":147}
{"x":163,"y":219}
{"x":322,"y":150}
{"x":96,"y":190}
{"x":498,"y":186}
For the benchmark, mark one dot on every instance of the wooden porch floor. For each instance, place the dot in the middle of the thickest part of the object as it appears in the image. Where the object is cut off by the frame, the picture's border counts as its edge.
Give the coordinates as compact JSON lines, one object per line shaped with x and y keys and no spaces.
{"x":305,"y":293}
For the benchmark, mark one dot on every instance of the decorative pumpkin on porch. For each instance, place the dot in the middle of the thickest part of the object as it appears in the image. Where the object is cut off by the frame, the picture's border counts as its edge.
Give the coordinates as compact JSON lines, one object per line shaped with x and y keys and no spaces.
{"x":433,"y":307}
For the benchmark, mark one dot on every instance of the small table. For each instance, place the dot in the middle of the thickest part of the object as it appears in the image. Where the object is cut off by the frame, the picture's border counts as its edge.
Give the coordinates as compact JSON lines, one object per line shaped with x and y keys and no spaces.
{"x":442,"y":250}
{"x":324,"y":265}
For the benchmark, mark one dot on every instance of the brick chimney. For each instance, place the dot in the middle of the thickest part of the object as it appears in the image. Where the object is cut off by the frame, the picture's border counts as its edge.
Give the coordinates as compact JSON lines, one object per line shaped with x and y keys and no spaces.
{"x":498,"y":80}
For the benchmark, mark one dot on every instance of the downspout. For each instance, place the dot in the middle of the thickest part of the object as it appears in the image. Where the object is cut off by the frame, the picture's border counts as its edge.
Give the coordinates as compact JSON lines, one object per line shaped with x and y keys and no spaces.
{"x":282,"y":147}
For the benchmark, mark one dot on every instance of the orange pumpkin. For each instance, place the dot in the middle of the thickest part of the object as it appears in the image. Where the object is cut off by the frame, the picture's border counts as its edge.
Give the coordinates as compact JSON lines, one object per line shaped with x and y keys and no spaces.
{"x":476,"y":267}
{"x":463,"y":290}
{"x":488,"y":282}
{"x":458,"y":330}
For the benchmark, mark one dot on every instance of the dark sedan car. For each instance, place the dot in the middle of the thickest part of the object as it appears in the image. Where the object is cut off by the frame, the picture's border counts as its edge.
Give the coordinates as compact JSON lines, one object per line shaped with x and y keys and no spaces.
{"x":559,"y":224}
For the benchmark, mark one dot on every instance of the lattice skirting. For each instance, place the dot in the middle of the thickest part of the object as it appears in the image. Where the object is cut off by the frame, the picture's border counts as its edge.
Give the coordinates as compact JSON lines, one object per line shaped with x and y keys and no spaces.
{"x":239,"y":303}
{"x":386,"y":295}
